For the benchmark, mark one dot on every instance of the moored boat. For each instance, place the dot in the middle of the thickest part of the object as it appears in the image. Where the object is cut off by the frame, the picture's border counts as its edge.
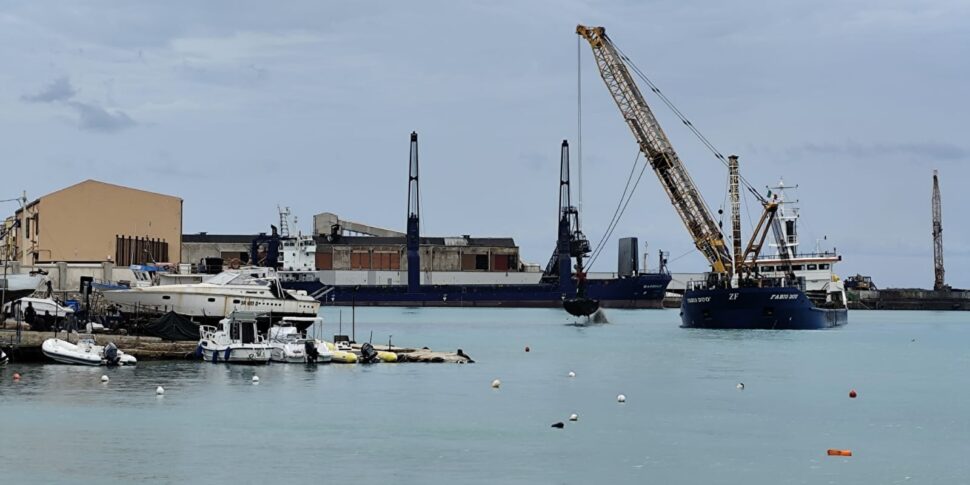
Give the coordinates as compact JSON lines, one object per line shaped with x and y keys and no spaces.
{"x":85,"y":352}
{"x":236,"y":341}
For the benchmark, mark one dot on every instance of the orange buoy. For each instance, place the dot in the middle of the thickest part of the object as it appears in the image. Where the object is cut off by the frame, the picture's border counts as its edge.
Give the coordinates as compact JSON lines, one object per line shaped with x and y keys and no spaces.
{"x":852,"y":394}
{"x":834,"y":452}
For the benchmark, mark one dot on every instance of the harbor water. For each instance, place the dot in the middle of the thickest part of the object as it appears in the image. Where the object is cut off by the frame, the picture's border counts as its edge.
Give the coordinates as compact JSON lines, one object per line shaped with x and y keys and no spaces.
{"x":685,"y":420}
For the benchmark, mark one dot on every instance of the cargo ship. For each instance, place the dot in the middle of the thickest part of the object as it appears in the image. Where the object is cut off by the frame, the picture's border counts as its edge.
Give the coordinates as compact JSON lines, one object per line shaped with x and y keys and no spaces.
{"x":739,"y":292}
{"x":563,"y":283}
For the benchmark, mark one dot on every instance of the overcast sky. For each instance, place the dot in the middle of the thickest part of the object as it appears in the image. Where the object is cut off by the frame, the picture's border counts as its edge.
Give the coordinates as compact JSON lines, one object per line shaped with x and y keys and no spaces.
{"x":239,"y":106}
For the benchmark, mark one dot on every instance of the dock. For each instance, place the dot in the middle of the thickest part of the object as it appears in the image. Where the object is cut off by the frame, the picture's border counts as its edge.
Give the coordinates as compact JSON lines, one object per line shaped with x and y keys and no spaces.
{"x":154,"y":348}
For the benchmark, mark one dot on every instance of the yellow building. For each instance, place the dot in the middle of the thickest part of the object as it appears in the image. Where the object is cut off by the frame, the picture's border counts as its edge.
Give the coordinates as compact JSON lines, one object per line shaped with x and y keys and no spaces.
{"x":94,"y":222}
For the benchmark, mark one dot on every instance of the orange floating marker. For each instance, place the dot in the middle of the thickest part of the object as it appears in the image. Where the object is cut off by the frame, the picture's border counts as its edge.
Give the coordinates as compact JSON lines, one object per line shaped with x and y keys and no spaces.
{"x":834,"y":452}
{"x":852,"y":394}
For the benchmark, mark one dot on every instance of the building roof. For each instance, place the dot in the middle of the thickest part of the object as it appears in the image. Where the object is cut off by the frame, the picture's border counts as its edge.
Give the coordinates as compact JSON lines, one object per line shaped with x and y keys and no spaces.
{"x":98,"y":182}
{"x":493,"y":242}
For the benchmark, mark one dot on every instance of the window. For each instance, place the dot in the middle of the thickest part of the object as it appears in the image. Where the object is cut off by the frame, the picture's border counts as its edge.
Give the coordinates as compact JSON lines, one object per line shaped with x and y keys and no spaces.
{"x":812,"y":267}
{"x":166,"y":297}
{"x":767,"y":268}
{"x":824,"y":266}
{"x":211,"y":300}
{"x":796,"y":267}
{"x":235,"y":302}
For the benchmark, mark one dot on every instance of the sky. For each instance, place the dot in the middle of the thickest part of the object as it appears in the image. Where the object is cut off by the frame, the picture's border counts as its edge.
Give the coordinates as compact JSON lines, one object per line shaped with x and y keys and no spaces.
{"x":240,"y":106}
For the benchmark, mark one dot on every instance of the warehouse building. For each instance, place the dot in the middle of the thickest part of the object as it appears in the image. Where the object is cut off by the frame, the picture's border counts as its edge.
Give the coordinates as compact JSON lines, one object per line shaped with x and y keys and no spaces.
{"x":95,"y":222}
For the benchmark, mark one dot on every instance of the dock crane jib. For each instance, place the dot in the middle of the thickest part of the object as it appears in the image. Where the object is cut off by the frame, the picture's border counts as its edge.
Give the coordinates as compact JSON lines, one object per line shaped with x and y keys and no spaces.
{"x":655,"y":145}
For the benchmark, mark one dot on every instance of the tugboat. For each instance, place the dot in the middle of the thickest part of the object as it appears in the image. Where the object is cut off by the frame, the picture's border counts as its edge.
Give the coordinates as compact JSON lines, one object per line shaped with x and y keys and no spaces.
{"x":735,"y":294}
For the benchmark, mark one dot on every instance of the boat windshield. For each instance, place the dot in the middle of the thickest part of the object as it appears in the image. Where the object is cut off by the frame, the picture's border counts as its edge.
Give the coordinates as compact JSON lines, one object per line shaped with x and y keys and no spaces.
{"x":223,"y":278}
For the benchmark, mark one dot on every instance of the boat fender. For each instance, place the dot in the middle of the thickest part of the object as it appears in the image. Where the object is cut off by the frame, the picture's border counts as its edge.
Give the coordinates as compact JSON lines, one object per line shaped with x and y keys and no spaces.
{"x":228,"y":352}
{"x":387,"y":356}
{"x":198,"y":352}
{"x":215,"y":356}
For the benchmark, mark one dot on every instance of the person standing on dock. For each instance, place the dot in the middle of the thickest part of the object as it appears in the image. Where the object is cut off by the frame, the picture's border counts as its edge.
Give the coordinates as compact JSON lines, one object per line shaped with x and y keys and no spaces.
{"x":30,"y":315}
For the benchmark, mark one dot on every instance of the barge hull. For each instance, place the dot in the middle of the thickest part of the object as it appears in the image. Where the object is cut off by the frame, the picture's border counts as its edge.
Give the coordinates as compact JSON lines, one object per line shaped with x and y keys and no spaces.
{"x":756,"y":308}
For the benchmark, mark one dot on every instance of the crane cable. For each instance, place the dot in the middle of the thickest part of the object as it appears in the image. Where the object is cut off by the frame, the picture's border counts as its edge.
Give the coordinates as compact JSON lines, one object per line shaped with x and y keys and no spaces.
{"x":700,"y":136}
{"x":621,"y":205}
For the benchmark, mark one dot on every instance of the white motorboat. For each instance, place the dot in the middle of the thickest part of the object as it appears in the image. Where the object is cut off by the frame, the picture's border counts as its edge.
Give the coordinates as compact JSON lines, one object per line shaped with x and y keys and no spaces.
{"x":85,"y":352}
{"x":236,"y":341}
{"x":3,"y":358}
{"x":257,"y":291}
{"x":288,"y":345}
{"x":15,"y":286}
{"x":41,"y":306}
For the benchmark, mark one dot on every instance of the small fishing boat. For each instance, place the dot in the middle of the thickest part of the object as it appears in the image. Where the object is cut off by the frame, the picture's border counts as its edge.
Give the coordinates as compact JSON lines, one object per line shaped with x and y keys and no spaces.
{"x":288,"y":345}
{"x":235,"y":341}
{"x":85,"y":352}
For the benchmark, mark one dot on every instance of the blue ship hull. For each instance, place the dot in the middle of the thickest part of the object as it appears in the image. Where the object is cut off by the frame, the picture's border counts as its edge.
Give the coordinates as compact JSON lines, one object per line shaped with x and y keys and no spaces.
{"x":642,"y":291}
{"x":756,"y":308}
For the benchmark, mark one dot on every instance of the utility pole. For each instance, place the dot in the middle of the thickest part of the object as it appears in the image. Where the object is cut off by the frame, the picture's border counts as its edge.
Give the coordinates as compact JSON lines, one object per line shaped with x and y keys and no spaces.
{"x":938,"y":283}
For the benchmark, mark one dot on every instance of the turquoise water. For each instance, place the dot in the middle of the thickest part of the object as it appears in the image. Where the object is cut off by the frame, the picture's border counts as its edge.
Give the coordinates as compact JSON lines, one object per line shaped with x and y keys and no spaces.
{"x":684,"y":420}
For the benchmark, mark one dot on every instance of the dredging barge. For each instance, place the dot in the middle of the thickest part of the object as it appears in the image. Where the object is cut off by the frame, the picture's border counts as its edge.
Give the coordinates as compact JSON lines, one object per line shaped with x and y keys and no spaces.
{"x":735,"y":294}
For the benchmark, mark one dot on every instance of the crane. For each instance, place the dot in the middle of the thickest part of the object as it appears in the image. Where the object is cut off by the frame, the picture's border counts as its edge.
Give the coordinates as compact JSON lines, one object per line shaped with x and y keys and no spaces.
{"x":673,"y":175}
{"x":938,"y":283}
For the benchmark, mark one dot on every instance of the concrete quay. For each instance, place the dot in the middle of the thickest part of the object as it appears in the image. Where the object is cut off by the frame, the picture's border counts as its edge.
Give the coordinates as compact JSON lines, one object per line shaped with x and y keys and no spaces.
{"x":154,"y":348}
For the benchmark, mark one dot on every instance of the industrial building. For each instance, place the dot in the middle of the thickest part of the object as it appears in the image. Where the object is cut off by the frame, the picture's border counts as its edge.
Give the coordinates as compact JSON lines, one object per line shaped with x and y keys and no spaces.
{"x":95,"y":222}
{"x":348,"y":245}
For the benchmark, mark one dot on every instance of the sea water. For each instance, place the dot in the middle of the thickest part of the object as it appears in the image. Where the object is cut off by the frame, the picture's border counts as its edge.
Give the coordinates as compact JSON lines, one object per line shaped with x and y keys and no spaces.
{"x":684,"y":420}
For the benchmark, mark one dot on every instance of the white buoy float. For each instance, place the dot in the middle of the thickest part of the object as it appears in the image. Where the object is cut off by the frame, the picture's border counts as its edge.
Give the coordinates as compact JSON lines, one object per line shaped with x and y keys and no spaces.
{"x":496,"y":384}
{"x":255,"y":379}
{"x":104,"y":378}
{"x":620,"y":398}
{"x":574,"y":417}
{"x":572,"y":374}
{"x":740,"y":386}
{"x":159,"y":390}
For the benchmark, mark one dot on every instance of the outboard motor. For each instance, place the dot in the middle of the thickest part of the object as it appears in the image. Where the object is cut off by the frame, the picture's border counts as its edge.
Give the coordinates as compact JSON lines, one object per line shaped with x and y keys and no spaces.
{"x":367,"y":354}
{"x":111,"y":356}
{"x":311,"y":351}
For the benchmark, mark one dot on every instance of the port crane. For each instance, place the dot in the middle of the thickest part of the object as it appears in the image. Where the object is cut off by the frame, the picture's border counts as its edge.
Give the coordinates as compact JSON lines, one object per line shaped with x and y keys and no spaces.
{"x":938,"y":283}
{"x":673,"y":175}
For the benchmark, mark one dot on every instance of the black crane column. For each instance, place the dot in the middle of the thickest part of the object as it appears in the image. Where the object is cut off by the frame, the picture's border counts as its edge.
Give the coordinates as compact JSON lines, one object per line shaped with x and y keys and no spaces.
{"x":414,"y":234}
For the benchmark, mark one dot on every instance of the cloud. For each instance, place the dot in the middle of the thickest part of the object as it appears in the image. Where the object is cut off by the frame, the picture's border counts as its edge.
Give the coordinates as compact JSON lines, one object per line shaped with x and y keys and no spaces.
{"x":91,"y":117}
{"x":95,"y":118}
{"x":922,"y":150}
{"x":59,"y":90}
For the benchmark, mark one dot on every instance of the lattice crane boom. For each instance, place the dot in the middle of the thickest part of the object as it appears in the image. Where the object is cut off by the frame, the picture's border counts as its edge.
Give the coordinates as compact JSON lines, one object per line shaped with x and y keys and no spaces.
{"x":655,"y":145}
{"x":938,"y":273}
